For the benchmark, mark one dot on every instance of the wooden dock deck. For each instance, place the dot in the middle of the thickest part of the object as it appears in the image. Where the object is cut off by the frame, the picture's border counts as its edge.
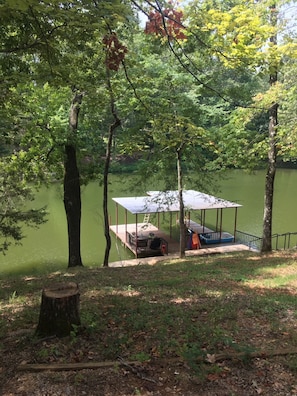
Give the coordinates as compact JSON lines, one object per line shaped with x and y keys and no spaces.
{"x":146,"y":230}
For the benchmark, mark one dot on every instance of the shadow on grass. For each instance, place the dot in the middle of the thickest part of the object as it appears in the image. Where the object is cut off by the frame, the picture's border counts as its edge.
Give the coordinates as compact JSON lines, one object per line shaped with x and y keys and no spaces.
{"x":188,"y":309}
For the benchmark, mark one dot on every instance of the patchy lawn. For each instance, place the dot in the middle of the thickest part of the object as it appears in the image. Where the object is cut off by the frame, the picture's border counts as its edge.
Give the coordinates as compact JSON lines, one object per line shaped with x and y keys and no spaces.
{"x":223,"y":325}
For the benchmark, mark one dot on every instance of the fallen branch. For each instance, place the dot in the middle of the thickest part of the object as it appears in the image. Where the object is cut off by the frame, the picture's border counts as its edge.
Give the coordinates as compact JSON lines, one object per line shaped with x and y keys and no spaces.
{"x":209,"y":358}
{"x":256,"y":354}
{"x":71,"y":366}
{"x":136,"y":371}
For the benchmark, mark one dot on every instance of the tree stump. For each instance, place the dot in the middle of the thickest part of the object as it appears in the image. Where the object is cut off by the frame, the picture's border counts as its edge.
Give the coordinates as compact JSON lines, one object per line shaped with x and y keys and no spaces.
{"x":59,"y":310}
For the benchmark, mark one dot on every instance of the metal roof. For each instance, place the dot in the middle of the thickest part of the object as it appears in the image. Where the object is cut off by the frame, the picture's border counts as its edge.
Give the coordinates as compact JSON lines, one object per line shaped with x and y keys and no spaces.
{"x":167,"y":201}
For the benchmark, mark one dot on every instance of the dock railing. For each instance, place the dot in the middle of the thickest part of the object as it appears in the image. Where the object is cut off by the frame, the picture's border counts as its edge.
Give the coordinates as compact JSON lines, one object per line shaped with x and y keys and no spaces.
{"x":287,"y":240}
{"x":284,"y":241}
{"x":252,"y":241}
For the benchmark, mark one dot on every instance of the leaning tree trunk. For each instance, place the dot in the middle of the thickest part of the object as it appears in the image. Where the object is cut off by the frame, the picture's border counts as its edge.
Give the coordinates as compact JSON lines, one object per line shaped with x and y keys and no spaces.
{"x":72,"y":193}
{"x":112,"y":128}
{"x":272,"y":156}
{"x":105,"y":192}
{"x":59,"y":311}
{"x":182,"y":237}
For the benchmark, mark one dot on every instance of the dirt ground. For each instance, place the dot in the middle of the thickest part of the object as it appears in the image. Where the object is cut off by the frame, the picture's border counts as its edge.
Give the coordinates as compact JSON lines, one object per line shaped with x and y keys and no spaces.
{"x":257,"y":376}
{"x":170,"y":375}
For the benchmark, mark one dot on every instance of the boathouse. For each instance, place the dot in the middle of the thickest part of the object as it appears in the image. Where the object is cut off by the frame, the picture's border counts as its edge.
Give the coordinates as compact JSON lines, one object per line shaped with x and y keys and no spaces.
{"x":146,"y":239}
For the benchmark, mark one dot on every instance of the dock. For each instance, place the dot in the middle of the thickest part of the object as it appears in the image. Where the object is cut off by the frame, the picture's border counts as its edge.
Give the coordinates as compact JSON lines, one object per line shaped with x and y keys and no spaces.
{"x":148,"y":230}
{"x":196,"y":227}
{"x":143,"y":230}
{"x":144,"y":239}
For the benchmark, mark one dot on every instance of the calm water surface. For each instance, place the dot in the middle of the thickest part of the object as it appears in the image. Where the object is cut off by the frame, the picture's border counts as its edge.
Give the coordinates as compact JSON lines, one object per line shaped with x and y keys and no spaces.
{"x":47,"y":246}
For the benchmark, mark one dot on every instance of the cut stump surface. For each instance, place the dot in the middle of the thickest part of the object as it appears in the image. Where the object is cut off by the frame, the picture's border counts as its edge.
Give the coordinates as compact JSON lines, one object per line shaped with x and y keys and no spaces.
{"x":59,"y":310}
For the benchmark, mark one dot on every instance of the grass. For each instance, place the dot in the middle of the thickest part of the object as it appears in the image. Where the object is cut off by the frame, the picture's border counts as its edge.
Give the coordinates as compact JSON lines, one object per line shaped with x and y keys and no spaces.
{"x":188,"y":309}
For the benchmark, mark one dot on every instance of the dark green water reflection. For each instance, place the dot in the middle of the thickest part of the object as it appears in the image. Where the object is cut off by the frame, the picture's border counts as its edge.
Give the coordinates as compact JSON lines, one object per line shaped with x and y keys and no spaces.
{"x":47,"y":246}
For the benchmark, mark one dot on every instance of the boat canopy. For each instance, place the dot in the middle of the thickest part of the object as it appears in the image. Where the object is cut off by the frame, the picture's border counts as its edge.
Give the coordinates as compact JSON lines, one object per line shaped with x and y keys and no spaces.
{"x":167,"y":201}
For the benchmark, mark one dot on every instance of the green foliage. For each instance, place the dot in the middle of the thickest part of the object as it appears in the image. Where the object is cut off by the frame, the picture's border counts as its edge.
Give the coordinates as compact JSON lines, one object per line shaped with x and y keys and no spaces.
{"x":49,"y":51}
{"x":287,"y":119}
{"x":14,"y":193}
{"x":206,"y":94}
{"x":238,"y":38}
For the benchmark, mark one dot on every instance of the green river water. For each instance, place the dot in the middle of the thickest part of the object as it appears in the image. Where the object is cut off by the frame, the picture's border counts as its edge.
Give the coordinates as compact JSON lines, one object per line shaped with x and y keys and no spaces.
{"x":47,"y":246}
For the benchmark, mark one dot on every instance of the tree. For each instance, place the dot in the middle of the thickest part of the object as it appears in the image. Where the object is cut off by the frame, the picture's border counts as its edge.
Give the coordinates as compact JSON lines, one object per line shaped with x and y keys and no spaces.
{"x":245,"y":37}
{"x":287,"y":127}
{"x":14,"y":194}
{"x":72,"y":194}
{"x":167,"y":117}
{"x":58,"y":44}
{"x":272,"y":151}
{"x":115,"y":53}
{"x":181,"y":134}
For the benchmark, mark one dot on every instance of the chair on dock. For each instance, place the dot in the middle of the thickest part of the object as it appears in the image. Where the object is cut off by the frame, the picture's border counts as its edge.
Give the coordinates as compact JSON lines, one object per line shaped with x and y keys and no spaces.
{"x":155,"y":243}
{"x":159,"y":245}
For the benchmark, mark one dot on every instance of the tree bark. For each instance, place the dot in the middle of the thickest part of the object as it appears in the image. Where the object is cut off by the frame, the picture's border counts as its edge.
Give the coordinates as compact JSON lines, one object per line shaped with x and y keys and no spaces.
{"x":269,"y":183}
{"x":72,"y":193}
{"x":182,"y":228}
{"x":112,"y":128}
{"x":59,"y":310}
{"x":272,"y":155}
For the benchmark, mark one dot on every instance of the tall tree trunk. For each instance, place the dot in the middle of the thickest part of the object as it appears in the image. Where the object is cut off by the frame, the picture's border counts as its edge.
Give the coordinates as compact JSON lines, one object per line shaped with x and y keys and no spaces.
{"x":112,"y":128}
{"x":269,"y":182}
{"x":72,"y":193}
{"x":272,"y":153}
{"x":182,"y":236}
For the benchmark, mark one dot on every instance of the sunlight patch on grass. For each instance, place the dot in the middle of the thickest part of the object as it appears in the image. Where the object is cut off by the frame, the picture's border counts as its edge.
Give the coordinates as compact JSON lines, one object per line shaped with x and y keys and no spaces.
{"x":282,"y":275}
{"x":282,"y":269}
{"x":180,"y":300}
{"x":213,"y":293}
{"x":69,"y":274}
{"x":30,"y":278}
{"x":275,"y":282}
{"x":17,"y":305}
{"x":126,"y":293}
{"x":92,"y":294}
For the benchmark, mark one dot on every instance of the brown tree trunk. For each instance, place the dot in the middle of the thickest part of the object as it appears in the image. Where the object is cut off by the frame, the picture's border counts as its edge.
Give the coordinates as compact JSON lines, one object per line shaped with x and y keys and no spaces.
{"x":272,"y":154}
{"x":112,"y":128}
{"x":72,"y":204}
{"x":269,"y":183}
{"x":72,"y":193}
{"x":105,"y":192}
{"x":59,"y":310}
{"x":182,"y":236}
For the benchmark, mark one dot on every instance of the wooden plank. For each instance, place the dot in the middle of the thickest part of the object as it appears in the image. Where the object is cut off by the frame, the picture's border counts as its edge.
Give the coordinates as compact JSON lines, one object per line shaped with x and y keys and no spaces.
{"x":71,"y":366}
{"x":210,"y":358}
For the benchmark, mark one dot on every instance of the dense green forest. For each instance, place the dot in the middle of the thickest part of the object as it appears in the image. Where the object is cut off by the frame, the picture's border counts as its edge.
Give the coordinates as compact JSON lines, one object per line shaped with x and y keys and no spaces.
{"x":177,"y":87}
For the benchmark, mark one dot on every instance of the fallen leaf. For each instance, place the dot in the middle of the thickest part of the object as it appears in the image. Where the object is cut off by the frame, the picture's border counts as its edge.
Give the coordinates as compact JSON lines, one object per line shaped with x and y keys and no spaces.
{"x":210,"y":358}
